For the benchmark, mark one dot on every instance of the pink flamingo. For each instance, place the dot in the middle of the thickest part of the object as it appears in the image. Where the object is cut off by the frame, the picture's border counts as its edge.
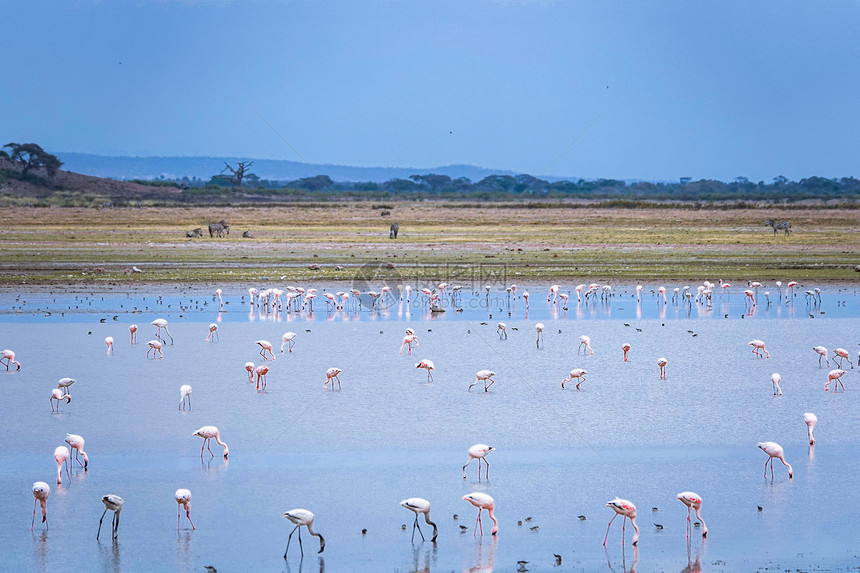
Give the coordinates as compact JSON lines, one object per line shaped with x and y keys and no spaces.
{"x":810,"y":419}
{"x":159,"y":324}
{"x":418,"y":505}
{"x":822,"y":353}
{"x":183,"y":500}
{"x":41,"y":493}
{"x":114,"y":503}
{"x":774,"y":450}
{"x":638,"y":293}
{"x":553,"y":293}
{"x":58,"y":394}
{"x":758,"y":348}
{"x":9,"y":357}
{"x":484,"y":375}
{"x":220,"y":300}
{"x":661,"y":362}
{"x":213,"y":333}
{"x":252,"y":292}
{"x":207,"y":433}
{"x":261,"y":371}
{"x":662,"y":292}
{"x":526,"y":298}
{"x":626,"y":348}
{"x":578,"y":290}
{"x":775,"y":379}
{"x":330,"y":300}
{"x":265,"y":346}
{"x":577,"y":373}
{"x":428,"y":366}
{"x":834,"y":376}
{"x":479,"y":452}
{"x":502,"y":331}
{"x":539,"y":328}
{"x":66,"y":383}
{"x":725,"y":287}
{"x":155,"y":348}
{"x":627,"y":510}
{"x":789,"y":289}
{"x":288,"y":339}
{"x":562,"y":300}
{"x":483,"y":501}
{"x":249,"y":368}
{"x":109,"y":344}
{"x":61,"y":456}
{"x":841,"y":354}
{"x":408,"y":341}
{"x":586,"y":342}
{"x":750,"y":297}
{"x":331,"y":376}
{"x":779,"y":289}
{"x":132,"y":331}
{"x":693,"y":501}
{"x":185,"y":396}
{"x":302,"y":517}
{"x":76,"y":442}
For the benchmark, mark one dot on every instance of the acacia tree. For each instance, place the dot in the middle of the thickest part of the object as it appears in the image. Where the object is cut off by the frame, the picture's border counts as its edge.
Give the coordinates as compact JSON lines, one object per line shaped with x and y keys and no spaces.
{"x":31,"y":156}
{"x":239,"y":172}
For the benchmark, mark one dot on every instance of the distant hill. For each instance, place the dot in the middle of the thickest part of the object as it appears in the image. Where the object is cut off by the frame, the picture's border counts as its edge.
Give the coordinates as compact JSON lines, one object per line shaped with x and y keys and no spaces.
{"x":124,"y":168}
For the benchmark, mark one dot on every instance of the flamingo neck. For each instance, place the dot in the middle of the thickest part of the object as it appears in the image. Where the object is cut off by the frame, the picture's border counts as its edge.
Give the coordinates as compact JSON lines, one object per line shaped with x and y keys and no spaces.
{"x":495,"y":521}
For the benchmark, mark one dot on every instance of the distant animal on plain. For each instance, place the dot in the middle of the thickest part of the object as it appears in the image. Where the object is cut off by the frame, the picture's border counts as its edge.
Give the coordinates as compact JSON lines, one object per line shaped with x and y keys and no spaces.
{"x":779,"y":226}
{"x":198,"y":232}
{"x":218,"y":229}
{"x":246,"y":235}
{"x":385,"y":214}
{"x":393,"y":230}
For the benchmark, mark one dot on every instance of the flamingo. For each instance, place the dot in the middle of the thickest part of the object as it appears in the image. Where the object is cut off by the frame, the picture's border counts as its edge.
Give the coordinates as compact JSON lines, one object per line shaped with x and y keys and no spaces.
{"x":113,"y":503}
{"x":578,"y":290}
{"x":408,"y":340}
{"x":183,"y":500}
{"x":789,"y":288}
{"x":779,"y":288}
{"x":331,"y":376}
{"x":207,"y":433}
{"x":775,"y":379}
{"x":586,"y":342}
{"x":483,"y":501}
{"x":213,"y":333}
{"x":330,"y":300}
{"x":484,"y":375}
{"x":220,"y":300}
{"x":109,"y":344}
{"x":155,"y":348}
{"x":627,"y":510}
{"x":261,"y":372}
{"x":834,"y":376}
{"x":479,"y":452}
{"x":57,"y":394}
{"x":774,"y":450}
{"x":539,"y":328}
{"x":822,"y":353}
{"x":661,"y":292}
{"x":66,"y":383}
{"x":265,"y":346}
{"x":725,"y":287}
{"x":758,"y":348}
{"x":252,"y":292}
{"x":76,"y":442}
{"x":418,"y":505}
{"x":61,"y":456}
{"x":750,"y":297}
{"x":185,"y":396}
{"x":288,"y":339}
{"x":249,"y":368}
{"x":661,"y":362}
{"x":810,"y":419}
{"x":41,"y":493}
{"x":502,"y":331}
{"x":553,"y":292}
{"x":626,"y":348}
{"x":577,"y":373}
{"x":302,"y":517}
{"x":638,"y":293}
{"x":693,"y":501}
{"x":132,"y":331}
{"x":841,"y":354}
{"x":526,"y":298}
{"x":160,"y":323}
{"x":9,"y":357}
{"x":428,"y":366}
{"x":562,"y":300}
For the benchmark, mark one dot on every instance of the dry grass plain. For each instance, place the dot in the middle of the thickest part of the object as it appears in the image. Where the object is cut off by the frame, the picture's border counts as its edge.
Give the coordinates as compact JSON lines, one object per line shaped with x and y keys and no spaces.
{"x":438,"y":241}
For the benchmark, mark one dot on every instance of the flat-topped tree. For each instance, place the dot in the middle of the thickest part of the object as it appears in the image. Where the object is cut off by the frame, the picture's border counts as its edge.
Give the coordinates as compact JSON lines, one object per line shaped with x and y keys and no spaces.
{"x":30,"y":156}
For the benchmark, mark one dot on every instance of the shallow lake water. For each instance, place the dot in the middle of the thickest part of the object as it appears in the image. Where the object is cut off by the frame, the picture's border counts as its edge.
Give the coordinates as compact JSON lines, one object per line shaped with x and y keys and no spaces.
{"x":352,"y":455}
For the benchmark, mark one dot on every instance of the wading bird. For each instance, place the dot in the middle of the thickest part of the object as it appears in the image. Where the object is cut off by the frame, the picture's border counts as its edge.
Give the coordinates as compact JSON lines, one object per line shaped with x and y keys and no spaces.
{"x":132,"y":331}
{"x":113,"y":503}
{"x":479,"y":452}
{"x":775,"y":379}
{"x":483,"y":375}
{"x":41,"y":493}
{"x":207,"y":433}
{"x":758,"y":348}
{"x":822,"y":353}
{"x":810,"y":420}
{"x":265,"y":346}
{"x":661,"y":362}
{"x":577,"y":373}
{"x":66,"y":384}
{"x":302,"y":517}
{"x":693,"y":501}
{"x":627,"y":510}
{"x":213,"y":333}
{"x":539,"y":328}
{"x":220,"y":300}
{"x":9,"y":357}
{"x":774,"y":450}
{"x":841,"y":354}
{"x":428,"y":366}
{"x":109,"y":344}
{"x":483,"y":501}
{"x":185,"y":397}
{"x":502,"y":331}
{"x":585,"y":345}
{"x":626,"y":348}
{"x":331,"y":376}
{"x":57,"y":394}
{"x":261,"y":372}
{"x":408,"y":341}
{"x":249,"y":368}
{"x":76,"y":442}
{"x":155,"y":348}
{"x":159,"y":324}
{"x":183,"y":500}
{"x":832,"y":376}
{"x":61,"y":456}
{"x":418,"y":505}
{"x":288,"y":339}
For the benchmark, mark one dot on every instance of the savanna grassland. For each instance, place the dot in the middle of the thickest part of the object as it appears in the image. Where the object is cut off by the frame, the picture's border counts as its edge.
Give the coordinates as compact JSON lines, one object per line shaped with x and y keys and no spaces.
{"x":437,"y":241}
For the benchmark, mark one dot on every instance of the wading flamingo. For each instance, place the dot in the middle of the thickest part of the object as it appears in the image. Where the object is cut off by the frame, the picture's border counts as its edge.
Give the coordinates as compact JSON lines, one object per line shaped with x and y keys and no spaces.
{"x":265,"y":346}
{"x":483,"y":375}
{"x":213,"y":333}
{"x":774,"y":450}
{"x":626,"y":348}
{"x":553,"y":293}
{"x":408,"y":341}
{"x":661,"y":362}
{"x":822,"y":353}
{"x":832,"y":376}
{"x":775,"y":379}
{"x":627,"y":510}
{"x":331,"y":376}
{"x":428,"y":366}
{"x":132,"y":331}
{"x":220,"y":300}
{"x":76,"y":442}
{"x":302,"y":517}
{"x":155,"y":348}
{"x":638,"y":293}
{"x":261,"y":372}
{"x":483,"y":501}
{"x":479,"y":452}
{"x":66,"y":384}
{"x":41,"y":493}
{"x":418,"y":505}
{"x":207,"y":433}
{"x":109,"y":344}
{"x":249,"y":368}
{"x":539,"y":328}
{"x":577,"y":373}
{"x":61,"y":456}
{"x":160,"y":323}
{"x":693,"y":501}
{"x":288,"y":339}
{"x":758,"y":348}
{"x":185,"y":397}
{"x":810,"y":420}
{"x":526,"y":298}
{"x":57,"y":394}
{"x":584,"y":341}
{"x":183,"y":500}
{"x":9,"y":357}
{"x":841,"y":354}
{"x":502,"y":331}
{"x":113,"y":503}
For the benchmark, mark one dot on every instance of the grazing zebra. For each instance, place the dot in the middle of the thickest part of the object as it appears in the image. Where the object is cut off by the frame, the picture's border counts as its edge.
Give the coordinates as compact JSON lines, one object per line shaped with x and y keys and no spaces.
{"x":218,"y":229}
{"x":198,"y":232}
{"x":393,"y":230}
{"x":779,"y":226}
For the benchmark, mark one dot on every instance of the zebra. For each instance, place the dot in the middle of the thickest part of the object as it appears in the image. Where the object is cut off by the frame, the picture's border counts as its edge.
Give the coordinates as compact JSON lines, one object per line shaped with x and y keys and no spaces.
{"x":393,"y":230}
{"x":218,"y":229}
{"x":779,"y":226}
{"x":198,"y":232}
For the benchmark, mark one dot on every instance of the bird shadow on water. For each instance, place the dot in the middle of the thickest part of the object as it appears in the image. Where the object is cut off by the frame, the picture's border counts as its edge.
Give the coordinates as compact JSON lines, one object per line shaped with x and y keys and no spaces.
{"x":481,"y":563}
{"x":40,"y":551}
{"x":206,"y":464}
{"x":110,"y":555}
{"x":183,"y":551}
{"x":624,"y":568}
{"x":693,"y":566}
{"x":423,"y":558}
{"x":318,"y":567}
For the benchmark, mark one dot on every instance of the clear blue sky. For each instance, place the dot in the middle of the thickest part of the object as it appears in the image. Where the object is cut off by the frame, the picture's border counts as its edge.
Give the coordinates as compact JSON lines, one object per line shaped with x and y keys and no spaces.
{"x":670,"y":89}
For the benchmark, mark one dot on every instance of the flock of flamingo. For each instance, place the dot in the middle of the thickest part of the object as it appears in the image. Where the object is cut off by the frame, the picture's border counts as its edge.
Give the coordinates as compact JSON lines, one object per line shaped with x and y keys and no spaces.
{"x":300,"y":299}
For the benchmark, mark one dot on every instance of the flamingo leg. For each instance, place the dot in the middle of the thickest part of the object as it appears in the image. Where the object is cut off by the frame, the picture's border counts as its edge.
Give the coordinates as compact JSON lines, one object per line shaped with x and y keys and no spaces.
{"x":177,"y":517}
{"x":623,"y":528}
{"x":607,"y":529}
{"x":34,"y":515}
{"x":689,"y":523}
{"x":202,"y":447}
{"x":209,"y":446}
{"x":188,"y":515}
{"x":419,"y":529}
{"x":100,"y":524}
{"x":488,"y":469}
{"x":301,"y":549}
{"x":478,"y":523}
{"x":486,"y":387}
{"x":116,"y":524}
{"x":289,"y":538}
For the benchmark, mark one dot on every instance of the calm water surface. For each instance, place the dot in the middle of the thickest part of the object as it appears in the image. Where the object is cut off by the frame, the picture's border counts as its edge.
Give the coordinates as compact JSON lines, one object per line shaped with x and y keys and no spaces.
{"x":351,"y":456}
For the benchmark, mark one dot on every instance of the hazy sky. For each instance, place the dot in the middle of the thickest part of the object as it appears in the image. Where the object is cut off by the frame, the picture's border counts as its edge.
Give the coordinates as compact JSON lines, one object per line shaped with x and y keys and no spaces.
{"x":669,"y":89}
